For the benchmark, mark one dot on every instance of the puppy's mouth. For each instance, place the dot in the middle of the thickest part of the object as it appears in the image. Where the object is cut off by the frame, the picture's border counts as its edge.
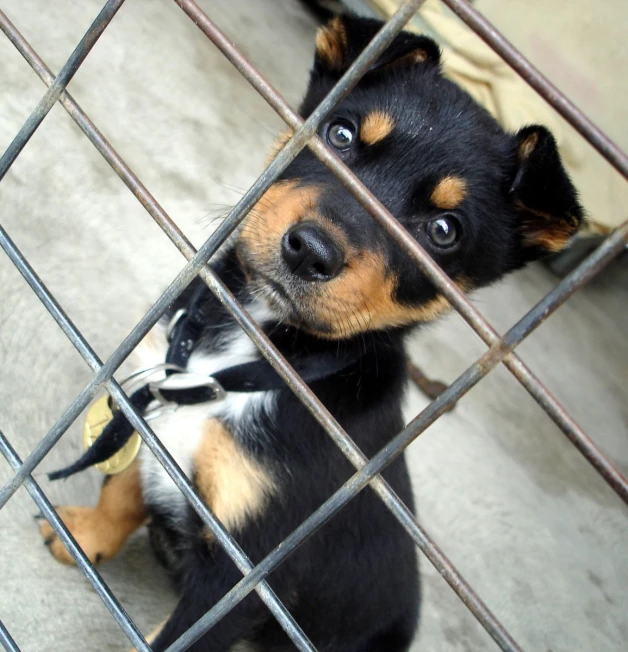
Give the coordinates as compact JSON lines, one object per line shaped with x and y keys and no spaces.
{"x":292,"y":305}
{"x":275,"y":294}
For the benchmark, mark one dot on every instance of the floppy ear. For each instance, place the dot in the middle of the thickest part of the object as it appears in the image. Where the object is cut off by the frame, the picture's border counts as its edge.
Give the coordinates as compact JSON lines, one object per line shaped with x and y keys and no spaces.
{"x":340,"y":42}
{"x":543,"y":195}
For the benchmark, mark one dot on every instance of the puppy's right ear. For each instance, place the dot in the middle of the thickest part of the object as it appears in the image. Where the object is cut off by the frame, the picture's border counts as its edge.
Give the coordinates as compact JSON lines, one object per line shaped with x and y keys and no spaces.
{"x":543,"y":195}
{"x":339,"y":43}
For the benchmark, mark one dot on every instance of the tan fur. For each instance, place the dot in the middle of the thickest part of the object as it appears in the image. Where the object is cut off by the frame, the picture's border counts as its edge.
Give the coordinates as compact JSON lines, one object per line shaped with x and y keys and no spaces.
{"x":553,"y":241}
{"x":375,"y":127}
{"x":331,"y":44}
{"x":528,"y":145}
{"x":413,"y":58}
{"x":547,"y":231}
{"x":362,"y":298}
{"x":416,"y":56}
{"x":244,"y":646}
{"x":282,"y":139}
{"x":240,"y":646}
{"x":281,"y":206}
{"x":232,"y":484}
{"x":449,"y":193}
{"x":101,"y":531}
{"x":150,"y":639}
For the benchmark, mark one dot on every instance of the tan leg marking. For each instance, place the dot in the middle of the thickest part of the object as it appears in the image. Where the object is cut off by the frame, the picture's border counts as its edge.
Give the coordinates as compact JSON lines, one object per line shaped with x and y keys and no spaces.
{"x":233,"y":484}
{"x":102,"y":530}
{"x":244,"y":646}
{"x":150,"y":639}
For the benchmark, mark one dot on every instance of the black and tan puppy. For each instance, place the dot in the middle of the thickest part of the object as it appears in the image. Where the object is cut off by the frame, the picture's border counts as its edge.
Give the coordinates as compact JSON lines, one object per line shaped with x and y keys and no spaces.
{"x":328,"y":286}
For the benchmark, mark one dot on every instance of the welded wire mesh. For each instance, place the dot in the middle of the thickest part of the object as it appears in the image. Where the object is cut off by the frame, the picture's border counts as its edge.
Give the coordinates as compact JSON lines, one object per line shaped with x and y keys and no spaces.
{"x":500,"y":348}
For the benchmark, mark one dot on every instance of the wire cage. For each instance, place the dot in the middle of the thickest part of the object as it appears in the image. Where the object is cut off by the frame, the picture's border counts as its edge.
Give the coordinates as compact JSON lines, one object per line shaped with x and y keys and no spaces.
{"x":500,"y":348}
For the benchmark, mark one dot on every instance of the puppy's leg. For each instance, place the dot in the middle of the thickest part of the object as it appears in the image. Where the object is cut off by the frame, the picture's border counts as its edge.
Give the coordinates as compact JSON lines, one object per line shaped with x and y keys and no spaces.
{"x":238,"y":489}
{"x":431,"y":388}
{"x":227,"y":635}
{"x":102,"y":530}
{"x":150,"y":639}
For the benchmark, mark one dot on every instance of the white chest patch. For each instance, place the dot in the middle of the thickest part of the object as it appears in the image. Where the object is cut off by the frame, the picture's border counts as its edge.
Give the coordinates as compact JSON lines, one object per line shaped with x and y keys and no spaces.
{"x":180,"y":431}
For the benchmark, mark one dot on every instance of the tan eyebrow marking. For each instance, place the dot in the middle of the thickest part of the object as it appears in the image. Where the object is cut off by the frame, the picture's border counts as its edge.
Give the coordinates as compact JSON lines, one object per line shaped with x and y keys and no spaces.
{"x":375,"y":127}
{"x":449,"y":192}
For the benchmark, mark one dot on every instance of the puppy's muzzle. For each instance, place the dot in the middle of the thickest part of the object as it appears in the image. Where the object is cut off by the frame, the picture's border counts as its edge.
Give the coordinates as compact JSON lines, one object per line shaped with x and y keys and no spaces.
{"x":311,"y":253}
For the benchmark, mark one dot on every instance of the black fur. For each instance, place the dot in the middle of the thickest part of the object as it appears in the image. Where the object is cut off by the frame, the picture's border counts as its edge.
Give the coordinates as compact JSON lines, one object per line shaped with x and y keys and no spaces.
{"x":353,"y":586}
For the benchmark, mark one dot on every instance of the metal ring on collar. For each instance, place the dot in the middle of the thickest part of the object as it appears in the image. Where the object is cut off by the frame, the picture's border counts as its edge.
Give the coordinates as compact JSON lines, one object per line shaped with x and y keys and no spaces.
{"x":174,"y":321}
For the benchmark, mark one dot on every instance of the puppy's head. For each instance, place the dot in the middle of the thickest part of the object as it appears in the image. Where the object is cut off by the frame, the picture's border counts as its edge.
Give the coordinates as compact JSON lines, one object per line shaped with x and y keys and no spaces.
{"x":481,"y":201}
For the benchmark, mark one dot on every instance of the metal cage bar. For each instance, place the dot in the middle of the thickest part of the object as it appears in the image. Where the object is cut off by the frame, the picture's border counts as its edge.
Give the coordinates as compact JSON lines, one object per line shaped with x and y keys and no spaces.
{"x":63,"y":79}
{"x":603,"y":255}
{"x":367,"y":470}
{"x":215,"y":526}
{"x":93,"y":576}
{"x":541,"y":84}
{"x":6,"y":640}
{"x":428,"y":546}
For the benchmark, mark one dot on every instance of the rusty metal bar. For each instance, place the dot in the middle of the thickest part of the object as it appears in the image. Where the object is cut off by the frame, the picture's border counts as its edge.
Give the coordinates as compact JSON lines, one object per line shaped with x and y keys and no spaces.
{"x":416,"y":252}
{"x":348,"y":447}
{"x":244,"y":205}
{"x":242,"y":317}
{"x":393,"y":26}
{"x":541,"y":84}
{"x":63,"y":79}
{"x":610,"y":248}
{"x":352,"y":451}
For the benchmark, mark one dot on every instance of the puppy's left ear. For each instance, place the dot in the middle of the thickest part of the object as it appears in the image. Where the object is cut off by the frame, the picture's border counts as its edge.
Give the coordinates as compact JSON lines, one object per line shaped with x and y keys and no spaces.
{"x":339,"y":43}
{"x":543,"y":195}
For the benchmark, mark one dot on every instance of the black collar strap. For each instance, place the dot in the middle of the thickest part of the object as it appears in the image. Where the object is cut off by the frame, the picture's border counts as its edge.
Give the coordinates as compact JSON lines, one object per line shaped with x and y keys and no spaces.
{"x":185,"y":328}
{"x":256,"y":376}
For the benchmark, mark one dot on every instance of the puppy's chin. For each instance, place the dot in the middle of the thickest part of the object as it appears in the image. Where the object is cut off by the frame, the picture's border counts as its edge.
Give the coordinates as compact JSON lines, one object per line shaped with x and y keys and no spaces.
{"x":291,"y":302}
{"x":289,"y":309}
{"x":275,"y":296}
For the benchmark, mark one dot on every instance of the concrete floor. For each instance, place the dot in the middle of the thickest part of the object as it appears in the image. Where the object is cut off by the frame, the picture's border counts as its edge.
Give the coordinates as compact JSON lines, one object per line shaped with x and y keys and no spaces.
{"x":526,"y":520}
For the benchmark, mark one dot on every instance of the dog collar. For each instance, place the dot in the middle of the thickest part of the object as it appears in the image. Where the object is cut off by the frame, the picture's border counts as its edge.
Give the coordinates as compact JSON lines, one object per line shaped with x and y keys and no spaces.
{"x":107,"y":432}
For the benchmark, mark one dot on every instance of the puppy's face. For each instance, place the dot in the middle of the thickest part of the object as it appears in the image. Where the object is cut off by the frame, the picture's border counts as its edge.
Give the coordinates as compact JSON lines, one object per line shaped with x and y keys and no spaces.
{"x":482,"y":202}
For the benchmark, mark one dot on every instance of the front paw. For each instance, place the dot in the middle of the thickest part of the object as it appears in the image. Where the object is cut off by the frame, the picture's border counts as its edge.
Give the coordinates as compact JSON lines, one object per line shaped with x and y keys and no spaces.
{"x":86,"y":526}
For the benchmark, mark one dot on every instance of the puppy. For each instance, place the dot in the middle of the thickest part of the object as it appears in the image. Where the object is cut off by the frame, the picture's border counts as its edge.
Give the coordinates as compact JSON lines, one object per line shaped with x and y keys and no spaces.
{"x":338,"y":298}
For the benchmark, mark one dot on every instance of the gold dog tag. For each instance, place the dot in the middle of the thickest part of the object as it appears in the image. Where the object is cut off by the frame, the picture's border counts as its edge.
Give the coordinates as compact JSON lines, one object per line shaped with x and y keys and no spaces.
{"x":98,"y":416}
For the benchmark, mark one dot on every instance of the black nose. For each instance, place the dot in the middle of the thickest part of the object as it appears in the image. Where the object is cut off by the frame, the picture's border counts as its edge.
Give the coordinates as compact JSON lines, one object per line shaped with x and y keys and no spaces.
{"x":310,"y":252}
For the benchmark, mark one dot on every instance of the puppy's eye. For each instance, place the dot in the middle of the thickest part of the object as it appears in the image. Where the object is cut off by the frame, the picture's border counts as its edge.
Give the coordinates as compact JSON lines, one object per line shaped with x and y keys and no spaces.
{"x":443,"y":232}
{"x":340,"y":134}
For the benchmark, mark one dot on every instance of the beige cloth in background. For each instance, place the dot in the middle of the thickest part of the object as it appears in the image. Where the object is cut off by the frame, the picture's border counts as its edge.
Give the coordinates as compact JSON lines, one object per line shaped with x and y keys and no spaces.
{"x":471,"y":63}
